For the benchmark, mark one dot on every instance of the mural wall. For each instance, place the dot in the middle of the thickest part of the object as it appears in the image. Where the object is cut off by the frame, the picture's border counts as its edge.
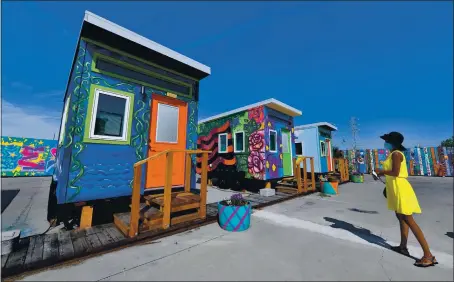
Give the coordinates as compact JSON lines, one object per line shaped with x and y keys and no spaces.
{"x":28,"y":156}
{"x":256,"y":162}
{"x":425,"y":161}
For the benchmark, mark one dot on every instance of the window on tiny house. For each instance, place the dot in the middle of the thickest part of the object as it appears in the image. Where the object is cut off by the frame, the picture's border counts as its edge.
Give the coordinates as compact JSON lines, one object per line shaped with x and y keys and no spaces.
{"x":323,"y":148}
{"x":167,"y":123}
{"x":238,"y":141}
{"x":222,"y":143}
{"x":299,"y":148}
{"x":273,"y":141}
{"x":110,"y":116}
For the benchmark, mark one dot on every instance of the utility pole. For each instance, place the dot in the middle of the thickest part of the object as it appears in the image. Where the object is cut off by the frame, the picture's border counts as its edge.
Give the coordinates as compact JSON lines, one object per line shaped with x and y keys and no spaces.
{"x":354,"y":128}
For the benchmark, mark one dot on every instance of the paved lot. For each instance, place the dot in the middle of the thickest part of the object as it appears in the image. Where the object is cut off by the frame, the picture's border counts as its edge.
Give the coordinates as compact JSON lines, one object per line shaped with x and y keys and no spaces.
{"x":344,"y":237}
{"x":28,"y":209}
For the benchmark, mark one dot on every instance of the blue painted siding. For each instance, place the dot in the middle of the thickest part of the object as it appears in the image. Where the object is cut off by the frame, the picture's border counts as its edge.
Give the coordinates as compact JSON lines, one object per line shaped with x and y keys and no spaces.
{"x":89,"y":171}
{"x":311,"y":146}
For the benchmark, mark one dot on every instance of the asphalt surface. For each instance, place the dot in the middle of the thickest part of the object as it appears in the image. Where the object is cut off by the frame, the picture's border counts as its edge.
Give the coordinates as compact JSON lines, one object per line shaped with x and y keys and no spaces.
{"x":343,"y":237}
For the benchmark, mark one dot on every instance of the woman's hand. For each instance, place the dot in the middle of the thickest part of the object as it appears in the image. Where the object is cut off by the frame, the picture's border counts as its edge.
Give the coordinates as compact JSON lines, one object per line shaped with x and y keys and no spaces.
{"x":379,"y":172}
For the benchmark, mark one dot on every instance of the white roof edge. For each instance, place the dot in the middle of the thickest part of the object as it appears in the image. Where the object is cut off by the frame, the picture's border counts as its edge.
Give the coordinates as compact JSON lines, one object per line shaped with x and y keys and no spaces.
{"x":134,"y":37}
{"x":258,"y":104}
{"x":317,"y":124}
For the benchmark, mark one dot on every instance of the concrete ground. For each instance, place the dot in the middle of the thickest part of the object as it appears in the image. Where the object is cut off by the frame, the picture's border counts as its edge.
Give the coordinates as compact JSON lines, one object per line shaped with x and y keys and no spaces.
{"x":343,"y":237}
{"x":26,"y":198}
{"x":28,"y":209}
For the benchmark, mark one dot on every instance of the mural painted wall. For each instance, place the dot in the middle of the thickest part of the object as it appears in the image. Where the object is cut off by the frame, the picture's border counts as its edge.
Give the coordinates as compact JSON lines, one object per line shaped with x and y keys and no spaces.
{"x":89,"y":170}
{"x":256,"y":162}
{"x":425,"y":161}
{"x":28,"y":156}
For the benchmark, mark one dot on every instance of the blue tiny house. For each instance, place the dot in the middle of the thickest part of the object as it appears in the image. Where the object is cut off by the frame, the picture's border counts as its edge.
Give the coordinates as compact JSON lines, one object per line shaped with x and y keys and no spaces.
{"x":314,"y":140}
{"x":127,"y":97}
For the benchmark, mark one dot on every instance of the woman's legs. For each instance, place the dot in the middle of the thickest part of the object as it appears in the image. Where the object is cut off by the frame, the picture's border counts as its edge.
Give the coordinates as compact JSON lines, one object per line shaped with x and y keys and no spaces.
{"x":403,"y":231}
{"x":411,"y":223}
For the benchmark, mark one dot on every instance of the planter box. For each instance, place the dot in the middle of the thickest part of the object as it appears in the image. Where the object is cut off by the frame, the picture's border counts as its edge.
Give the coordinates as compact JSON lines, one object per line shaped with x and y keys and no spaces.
{"x":329,"y":188}
{"x":234,"y":218}
{"x":357,"y":178}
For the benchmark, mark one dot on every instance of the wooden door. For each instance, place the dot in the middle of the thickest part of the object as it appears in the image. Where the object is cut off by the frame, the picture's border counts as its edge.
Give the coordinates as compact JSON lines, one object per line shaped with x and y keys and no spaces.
{"x":167,"y":131}
{"x":286,"y":153}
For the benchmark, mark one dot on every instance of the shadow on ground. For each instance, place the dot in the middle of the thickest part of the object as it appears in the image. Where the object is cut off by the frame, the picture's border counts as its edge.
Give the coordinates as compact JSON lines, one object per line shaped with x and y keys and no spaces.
{"x":363,"y":211}
{"x":450,"y":234}
{"x":8,"y":196}
{"x":363,"y":233}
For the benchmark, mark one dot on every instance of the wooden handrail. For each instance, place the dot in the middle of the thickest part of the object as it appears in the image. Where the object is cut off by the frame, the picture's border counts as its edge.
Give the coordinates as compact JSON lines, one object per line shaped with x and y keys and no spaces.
{"x":167,"y":195}
{"x":168,"y":151}
{"x":303,"y":187}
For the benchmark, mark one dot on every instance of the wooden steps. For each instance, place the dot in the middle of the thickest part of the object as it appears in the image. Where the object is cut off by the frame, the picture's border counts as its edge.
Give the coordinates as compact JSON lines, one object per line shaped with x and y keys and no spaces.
{"x":287,"y":189}
{"x":151,"y":211}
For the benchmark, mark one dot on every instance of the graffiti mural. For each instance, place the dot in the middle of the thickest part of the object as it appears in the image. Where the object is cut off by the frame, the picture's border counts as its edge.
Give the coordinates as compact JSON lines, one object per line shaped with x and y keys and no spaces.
{"x":426,"y":161}
{"x":256,"y":161}
{"x":28,"y":156}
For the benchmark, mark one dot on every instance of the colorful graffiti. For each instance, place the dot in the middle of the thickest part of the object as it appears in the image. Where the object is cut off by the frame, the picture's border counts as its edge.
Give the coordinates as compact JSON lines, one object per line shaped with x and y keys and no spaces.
{"x":28,"y":156}
{"x":426,"y":161}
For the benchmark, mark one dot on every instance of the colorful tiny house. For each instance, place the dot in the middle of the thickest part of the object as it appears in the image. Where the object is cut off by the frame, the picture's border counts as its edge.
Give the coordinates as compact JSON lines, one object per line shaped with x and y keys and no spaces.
{"x":127,"y":98}
{"x":315,"y":140}
{"x":255,"y":142}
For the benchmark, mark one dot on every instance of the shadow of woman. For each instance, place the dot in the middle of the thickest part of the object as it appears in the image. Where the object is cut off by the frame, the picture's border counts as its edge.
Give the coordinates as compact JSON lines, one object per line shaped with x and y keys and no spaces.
{"x":363,"y":233}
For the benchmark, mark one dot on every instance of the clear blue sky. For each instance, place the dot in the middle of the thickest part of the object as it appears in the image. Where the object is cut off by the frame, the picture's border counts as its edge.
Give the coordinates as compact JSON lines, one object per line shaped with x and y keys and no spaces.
{"x":330,"y":60}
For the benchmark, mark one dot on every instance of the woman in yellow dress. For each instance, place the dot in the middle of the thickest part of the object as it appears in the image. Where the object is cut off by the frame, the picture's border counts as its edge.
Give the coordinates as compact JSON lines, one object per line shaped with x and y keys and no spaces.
{"x":401,"y":197}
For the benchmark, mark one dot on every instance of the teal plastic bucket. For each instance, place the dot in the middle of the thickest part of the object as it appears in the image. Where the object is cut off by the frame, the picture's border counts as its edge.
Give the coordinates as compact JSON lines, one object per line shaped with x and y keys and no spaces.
{"x":234,"y":218}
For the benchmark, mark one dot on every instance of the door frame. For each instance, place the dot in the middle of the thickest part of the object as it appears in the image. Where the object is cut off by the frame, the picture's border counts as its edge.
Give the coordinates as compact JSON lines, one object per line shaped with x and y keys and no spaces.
{"x":290,"y":152}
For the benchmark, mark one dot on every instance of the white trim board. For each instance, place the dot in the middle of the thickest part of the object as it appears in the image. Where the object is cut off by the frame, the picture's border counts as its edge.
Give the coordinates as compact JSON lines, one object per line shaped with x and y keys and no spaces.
{"x":136,"y":38}
{"x":318,"y":124}
{"x":271,"y":103}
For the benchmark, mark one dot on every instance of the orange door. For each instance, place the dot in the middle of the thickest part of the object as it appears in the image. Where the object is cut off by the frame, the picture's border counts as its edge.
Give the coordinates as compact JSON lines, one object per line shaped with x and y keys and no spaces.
{"x":328,"y":156}
{"x":167,"y":131}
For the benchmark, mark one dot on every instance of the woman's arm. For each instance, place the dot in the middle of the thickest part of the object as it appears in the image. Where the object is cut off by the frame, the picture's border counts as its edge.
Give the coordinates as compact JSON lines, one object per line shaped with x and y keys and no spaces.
{"x":397,"y":160}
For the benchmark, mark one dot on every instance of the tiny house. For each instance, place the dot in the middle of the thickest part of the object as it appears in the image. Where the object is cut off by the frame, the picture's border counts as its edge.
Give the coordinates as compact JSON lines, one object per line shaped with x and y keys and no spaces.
{"x":255,"y":142}
{"x":314,"y":140}
{"x":127,"y":98}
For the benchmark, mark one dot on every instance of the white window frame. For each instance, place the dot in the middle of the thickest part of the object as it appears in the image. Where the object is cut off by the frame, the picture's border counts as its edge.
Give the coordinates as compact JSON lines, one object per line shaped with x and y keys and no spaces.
{"x":226,"y":143}
{"x":323,"y":153}
{"x":157,"y":123}
{"x":235,"y":142}
{"x":61,"y":137}
{"x":275,"y":141}
{"x":94,"y":112}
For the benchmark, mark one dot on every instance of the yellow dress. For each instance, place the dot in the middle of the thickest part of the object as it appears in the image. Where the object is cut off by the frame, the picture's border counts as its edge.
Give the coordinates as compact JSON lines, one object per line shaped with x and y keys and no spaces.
{"x":400,"y":195}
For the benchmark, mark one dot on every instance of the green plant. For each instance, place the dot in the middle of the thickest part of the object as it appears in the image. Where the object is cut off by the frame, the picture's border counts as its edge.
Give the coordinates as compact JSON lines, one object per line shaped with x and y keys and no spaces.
{"x":448,"y":142}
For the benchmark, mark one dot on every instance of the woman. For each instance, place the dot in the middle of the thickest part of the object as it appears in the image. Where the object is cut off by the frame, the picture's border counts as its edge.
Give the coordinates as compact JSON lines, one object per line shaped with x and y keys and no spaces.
{"x":401,"y":197}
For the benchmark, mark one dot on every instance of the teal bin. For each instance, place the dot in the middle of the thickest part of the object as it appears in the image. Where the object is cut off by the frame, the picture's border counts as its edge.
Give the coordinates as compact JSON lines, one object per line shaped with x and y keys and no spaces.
{"x":234,"y":218}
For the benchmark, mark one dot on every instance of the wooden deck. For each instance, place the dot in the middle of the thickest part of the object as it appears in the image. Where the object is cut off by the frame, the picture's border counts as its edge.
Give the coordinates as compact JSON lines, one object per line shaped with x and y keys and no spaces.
{"x":41,"y":251}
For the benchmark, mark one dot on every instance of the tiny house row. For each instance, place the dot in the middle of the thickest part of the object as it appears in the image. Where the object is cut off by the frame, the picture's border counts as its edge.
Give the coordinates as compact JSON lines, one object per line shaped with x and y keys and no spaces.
{"x":129,"y":100}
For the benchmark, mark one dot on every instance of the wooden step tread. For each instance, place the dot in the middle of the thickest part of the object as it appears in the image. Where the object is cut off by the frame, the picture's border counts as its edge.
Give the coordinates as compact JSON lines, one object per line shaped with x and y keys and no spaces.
{"x":286,"y":189}
{"x":178,"y":200}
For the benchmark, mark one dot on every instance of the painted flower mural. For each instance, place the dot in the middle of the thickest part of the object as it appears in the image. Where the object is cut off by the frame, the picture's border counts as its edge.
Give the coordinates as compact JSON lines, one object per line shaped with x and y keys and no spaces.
{"x":256,"y":159}
{"x":256,"y":114}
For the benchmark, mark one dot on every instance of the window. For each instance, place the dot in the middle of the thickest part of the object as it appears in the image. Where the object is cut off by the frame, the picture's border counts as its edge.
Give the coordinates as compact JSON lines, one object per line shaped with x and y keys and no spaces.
{"x":61,"y":138}
{"x":323,"y":148}
{"x":273,"y":141}
{"x":299,"y":148}
{"x":222,"y":143}
{"x":167,"y":123}
{"x":285,"y":143}
{"x":238,"y":141}
{"x":111,"y":116}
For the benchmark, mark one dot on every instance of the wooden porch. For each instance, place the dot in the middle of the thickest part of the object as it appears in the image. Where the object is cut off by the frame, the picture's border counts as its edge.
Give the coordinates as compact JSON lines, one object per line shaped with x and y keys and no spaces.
{"x":299,"y":184}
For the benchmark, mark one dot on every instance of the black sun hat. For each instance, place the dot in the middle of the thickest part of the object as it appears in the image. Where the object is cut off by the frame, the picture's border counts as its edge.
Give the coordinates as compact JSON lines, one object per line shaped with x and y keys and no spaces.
{"x":396,"y":139}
